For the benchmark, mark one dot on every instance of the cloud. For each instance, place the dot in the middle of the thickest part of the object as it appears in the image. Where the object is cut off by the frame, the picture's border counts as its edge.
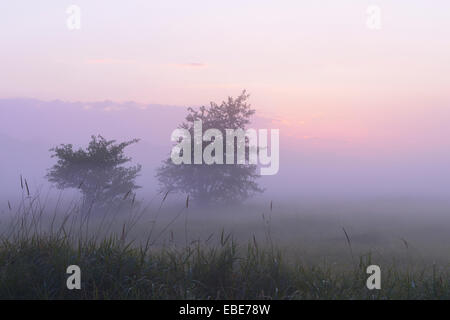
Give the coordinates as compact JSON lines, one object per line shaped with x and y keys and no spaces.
{"x":191,"y":65}
{"x":287,"y":122}
{"x":109,"y":61}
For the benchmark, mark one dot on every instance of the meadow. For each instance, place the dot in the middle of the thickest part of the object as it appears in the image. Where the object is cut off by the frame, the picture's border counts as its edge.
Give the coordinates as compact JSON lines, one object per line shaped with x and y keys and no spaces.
{"x":172,"y":250}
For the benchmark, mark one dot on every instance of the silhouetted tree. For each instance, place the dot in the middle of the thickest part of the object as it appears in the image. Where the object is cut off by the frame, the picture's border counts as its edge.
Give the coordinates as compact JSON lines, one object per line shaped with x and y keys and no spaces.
{"x":97,"y":171}
{"x":214,"y":182}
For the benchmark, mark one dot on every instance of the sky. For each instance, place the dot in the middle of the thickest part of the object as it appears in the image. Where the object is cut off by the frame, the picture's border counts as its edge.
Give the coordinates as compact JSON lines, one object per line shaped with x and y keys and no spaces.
{"x":314,"y":68}
{"x":294,"y":56}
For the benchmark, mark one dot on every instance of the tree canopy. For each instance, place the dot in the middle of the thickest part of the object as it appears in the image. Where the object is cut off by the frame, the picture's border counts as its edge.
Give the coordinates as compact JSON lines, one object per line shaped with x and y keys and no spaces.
{"x":97,"y":171}
{"x":214,"y":182}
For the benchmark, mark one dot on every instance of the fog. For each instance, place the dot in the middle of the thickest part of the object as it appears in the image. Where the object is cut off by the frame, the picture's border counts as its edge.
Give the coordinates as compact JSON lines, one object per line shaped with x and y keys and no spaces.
{"x":355,"y":95}
{"x":319,"y":189}
{"x":307,"y":168}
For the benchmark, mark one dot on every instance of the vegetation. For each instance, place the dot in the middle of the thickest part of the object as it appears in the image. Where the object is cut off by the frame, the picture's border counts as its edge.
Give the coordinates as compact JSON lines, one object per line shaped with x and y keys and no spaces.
{"x":35,"y":269}
{"x":34,"y":257}
{"x":97,"y":171}
{"x":214,"y":182}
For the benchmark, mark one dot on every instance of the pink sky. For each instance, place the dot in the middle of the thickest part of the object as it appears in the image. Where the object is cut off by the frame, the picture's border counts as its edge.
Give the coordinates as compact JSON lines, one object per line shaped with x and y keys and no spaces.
{"x":312,"y":65}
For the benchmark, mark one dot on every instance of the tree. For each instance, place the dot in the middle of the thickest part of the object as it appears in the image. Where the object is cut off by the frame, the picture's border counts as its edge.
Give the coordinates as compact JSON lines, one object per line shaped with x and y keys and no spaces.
{"x":214,"y":182}
{"x":97,"y":171}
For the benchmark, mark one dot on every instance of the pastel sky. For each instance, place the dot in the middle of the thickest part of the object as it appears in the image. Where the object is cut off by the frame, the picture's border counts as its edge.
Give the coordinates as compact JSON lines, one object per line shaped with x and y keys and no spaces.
{"x":314,"y":66}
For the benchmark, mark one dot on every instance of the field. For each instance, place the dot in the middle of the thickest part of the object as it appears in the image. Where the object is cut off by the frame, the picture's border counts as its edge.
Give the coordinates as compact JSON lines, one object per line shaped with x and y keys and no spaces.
{"x":172,"y":250}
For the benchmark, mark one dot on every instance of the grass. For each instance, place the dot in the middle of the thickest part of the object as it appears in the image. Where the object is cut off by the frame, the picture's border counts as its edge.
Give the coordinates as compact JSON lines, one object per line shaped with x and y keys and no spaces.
{"x":35,"y":269}
{"x":34,"y":258}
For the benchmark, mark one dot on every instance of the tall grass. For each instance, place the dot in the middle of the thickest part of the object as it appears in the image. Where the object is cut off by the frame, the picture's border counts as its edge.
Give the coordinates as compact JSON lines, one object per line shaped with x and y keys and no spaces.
{"x":34,"y":255}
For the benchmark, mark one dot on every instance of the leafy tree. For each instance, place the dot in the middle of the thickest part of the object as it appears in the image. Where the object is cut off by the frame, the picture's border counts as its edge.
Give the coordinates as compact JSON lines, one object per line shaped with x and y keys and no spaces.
{"x":97,"y":171}
{"x":214,"y":182}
